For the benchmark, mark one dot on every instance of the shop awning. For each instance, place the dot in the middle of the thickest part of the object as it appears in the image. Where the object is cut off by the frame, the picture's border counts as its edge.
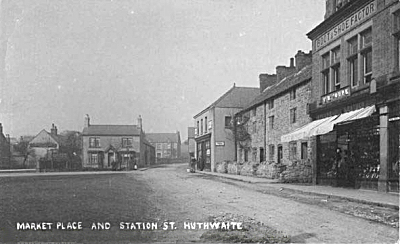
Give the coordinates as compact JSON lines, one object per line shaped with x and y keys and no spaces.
{"x":323,"y":126}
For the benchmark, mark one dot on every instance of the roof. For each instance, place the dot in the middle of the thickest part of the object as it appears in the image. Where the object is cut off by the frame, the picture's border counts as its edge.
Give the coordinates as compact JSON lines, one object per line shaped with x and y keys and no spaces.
{"x":111,"y":130}
{"x":236,"y":97}
{"x":282,"y":86}
{"x":162,"y":137}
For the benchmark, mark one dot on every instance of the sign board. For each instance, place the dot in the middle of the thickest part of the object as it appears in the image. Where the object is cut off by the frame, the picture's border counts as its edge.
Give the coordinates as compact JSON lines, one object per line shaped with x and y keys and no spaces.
{"x":362,"y":14}
{"x":336,"y":95}
{"x":219,"y":143}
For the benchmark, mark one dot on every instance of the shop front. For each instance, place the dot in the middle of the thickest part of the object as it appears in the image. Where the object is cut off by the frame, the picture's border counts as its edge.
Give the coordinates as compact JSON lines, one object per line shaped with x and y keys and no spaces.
{"x":204,"y":152}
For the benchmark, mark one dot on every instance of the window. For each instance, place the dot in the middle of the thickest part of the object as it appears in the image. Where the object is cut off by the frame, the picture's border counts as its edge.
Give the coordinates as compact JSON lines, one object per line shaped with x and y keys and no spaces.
{"x":271,"y":122}
{"x":254,"y":127}
{"x":292,"y":150}
{"x":168,"y":145}
{"x":246,"y":156}
{"x":126,"y":142}
{"x":271,"y":152}
{"x":158,"y":145}
{"x":293,"y":94}
{"x":228,"y":120}
{"x":254,"y":112}
{"x":93,"y":158}
{"x":271,"y":104}
{"x":360,"y":58}
{"x":201,"y":126}
{"x":331,"y":70}
{"x":94,"y":142}
{"x":261,"y":154}
{"x":254,"y":154}
{"x":205,"y":125}
{"x":293,"y":115}
{"x":304,"y":150}
{"x":198,"y":127}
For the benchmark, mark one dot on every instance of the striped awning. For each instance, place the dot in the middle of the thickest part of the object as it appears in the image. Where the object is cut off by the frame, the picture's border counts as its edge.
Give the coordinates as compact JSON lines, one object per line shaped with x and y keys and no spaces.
{"x":325,"y":125}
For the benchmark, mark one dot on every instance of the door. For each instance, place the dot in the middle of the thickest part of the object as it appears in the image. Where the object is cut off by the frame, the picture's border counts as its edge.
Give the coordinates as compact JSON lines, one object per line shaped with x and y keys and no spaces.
{"x":280,"y":154}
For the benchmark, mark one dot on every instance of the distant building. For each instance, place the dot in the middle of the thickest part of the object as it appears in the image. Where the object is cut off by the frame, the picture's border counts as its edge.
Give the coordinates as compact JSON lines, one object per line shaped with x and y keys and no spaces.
{"x":121,"y":145}
{"x":213,"y":127}
{"x":168,"y":145}
{"x":191,"y":141}
{"x":4,"y":149}
{"x":45,"y":143}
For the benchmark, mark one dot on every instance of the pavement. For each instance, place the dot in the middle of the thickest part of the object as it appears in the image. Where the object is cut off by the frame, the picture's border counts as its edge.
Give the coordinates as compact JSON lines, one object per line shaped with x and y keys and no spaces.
{"x":383,"y":199}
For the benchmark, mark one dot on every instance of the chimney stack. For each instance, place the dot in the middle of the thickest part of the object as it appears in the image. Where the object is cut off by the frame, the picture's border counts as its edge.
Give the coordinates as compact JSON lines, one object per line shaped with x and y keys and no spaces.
{"x":303,"y":59}
{"x":291,"y":62}
{"x":284,"y":71}
{"x":266,"y":80}
{"x":52,"y":130}
{"x":87,"y":121}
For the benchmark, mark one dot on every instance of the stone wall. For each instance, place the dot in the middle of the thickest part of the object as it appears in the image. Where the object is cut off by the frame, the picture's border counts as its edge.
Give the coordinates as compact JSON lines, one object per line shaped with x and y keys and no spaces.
{"x":269,"y":169}
{"x":298,"y":171}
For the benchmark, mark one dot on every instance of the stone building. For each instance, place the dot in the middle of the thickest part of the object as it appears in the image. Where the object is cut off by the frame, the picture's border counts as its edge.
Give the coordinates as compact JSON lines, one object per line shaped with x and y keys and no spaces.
{"x":121,"y":145}
{"x":356,"y":101}
{"x":168,"y":145}
{"x":213,"y":127}
{"x":282,"y":107}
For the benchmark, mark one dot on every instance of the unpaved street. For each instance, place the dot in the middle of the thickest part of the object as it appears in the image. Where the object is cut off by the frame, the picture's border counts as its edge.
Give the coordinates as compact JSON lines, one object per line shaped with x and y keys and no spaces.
{"x":181,"y":196}
{"x":167,"y":193}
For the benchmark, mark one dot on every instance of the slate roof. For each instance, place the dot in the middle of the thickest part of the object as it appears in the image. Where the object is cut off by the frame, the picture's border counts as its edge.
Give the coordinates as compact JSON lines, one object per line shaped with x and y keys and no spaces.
{"x":162,"y":137}
{"x":236,"y":97}
{"x":280,"y":87}
{"x":111,"y":130}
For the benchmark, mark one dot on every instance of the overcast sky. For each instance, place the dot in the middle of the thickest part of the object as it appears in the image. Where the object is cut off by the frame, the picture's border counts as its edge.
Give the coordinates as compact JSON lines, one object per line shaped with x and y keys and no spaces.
{"x":116,"y":59}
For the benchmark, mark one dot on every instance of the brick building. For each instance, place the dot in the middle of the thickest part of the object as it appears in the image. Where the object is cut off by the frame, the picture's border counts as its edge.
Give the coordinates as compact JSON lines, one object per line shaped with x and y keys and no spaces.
{"x":124,"y":145}
{"x":282,"y":107}
{"x":168,"y":145}
{"x":356,"y":87}
{"x":213,"y":127}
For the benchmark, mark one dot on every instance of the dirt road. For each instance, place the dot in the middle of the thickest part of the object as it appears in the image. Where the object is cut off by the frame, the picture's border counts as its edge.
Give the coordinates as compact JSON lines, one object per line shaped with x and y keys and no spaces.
{"x":180,"y":196}
{"x":166,"y":194}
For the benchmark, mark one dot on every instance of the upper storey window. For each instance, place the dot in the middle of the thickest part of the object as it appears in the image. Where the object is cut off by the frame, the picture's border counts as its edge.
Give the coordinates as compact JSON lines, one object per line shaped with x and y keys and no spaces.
{"x":331,"y":70}
{"x":360,"y":58}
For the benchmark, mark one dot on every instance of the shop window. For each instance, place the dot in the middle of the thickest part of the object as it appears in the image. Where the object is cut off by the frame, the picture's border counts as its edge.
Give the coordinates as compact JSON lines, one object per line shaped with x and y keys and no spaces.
{"x":304,"y":150}
{"x":94,"y":142}
{"x":271,"y":151}
{"x":292,"y":150}
{"x":293,"y":115}
{"x":228,"y":121}
{"x":271,"y":122}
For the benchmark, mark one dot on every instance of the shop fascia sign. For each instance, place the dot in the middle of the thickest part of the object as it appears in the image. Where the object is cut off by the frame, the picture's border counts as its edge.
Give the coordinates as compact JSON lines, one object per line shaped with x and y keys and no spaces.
{"x":220,"y":143}
{"x":362,"y":14}
{"x":345,"y":92}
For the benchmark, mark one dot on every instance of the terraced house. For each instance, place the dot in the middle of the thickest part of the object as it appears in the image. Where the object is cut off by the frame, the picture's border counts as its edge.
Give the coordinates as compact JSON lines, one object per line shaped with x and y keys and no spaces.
{"x":356,"y":94}
{"x":116,"y":146}
{"x":282,"y":107}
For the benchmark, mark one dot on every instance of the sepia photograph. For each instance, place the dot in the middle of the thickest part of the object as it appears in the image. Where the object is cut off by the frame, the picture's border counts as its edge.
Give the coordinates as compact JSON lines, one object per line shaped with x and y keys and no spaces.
{"x":199,"y":121}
